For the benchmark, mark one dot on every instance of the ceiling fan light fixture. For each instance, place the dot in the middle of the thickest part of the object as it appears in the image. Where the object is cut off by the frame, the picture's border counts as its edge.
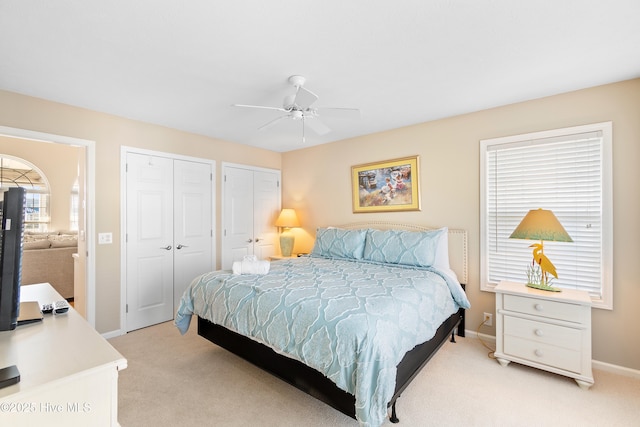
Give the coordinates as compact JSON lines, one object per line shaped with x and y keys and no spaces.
{"x":298,"y":107}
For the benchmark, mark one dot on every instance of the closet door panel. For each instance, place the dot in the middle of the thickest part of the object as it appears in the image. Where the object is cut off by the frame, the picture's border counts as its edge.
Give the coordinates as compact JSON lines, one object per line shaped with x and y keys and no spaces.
{"x":193,"y":226}
{"x":266,"y":201}
{"x":238,"y":208}
{"x":149,"y":212}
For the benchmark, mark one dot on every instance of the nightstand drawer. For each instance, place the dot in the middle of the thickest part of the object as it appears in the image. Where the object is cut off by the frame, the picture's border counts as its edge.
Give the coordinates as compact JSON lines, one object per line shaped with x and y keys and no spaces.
{"x":544,"y":308}
{"x":541,"y":332}
{"x":546,"y":354}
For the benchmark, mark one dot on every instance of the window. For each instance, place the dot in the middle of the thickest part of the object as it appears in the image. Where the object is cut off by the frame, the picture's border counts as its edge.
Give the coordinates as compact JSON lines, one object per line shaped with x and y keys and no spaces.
{"x":567,"y":171}
{"x":15,"y":172}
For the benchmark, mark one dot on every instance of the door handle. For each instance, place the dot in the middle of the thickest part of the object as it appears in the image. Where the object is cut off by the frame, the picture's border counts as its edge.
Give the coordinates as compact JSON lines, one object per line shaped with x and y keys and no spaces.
{"x":181,"y":246}
{"x":168,"y":247}
{"x":257,"y":240}
{"x":250,"y":240}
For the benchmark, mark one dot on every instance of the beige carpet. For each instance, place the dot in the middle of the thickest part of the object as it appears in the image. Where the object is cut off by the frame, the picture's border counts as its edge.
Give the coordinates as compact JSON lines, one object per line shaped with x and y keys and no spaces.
{"x":175,"y":380}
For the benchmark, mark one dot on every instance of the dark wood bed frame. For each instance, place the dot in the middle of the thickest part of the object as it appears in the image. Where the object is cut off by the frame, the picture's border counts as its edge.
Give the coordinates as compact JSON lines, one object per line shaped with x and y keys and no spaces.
{"x":315,"y":383}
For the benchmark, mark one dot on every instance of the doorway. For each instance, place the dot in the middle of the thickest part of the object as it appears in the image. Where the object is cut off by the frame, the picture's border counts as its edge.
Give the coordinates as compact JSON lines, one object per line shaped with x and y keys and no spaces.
{"x":88,"y":236}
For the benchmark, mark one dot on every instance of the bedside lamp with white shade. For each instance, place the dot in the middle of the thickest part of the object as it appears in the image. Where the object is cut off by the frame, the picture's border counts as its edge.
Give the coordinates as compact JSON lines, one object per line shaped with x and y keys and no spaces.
{"x":287,"y":220}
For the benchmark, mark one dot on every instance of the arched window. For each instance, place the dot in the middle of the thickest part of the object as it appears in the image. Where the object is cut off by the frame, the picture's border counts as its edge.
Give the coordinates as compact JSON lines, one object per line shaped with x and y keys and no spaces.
{"x":16,"y":172}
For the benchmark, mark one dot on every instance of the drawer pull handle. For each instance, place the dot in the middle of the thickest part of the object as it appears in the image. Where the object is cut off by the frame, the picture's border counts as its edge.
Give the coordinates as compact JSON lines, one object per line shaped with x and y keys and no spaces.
{"x":538,"y":307}
{"x":539,"y":332}
{"x":539,"y":353}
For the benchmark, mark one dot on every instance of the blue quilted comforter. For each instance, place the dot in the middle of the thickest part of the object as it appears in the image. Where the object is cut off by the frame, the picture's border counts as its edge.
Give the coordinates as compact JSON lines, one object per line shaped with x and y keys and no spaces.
{"x":351,"y":320}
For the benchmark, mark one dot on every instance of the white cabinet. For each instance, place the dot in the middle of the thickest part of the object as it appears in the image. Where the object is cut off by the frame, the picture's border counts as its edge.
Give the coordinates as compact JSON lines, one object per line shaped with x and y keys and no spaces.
{"x":545,"y":330}
{"x":68,"y":372}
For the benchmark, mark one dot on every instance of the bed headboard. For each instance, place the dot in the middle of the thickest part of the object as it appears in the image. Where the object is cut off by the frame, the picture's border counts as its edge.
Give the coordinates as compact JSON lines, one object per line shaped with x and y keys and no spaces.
{"x":457,"y":242}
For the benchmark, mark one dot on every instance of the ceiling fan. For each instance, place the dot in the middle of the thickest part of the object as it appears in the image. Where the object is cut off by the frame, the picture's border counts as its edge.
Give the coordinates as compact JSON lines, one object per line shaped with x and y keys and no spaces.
{"x":298,"y":106}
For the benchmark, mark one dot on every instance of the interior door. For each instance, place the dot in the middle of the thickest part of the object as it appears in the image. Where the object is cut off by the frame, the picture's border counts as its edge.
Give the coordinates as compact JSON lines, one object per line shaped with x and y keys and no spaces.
{"x":193,"y":224}
{"x":237,"y":233}
{"x":149,"y":240}
{"x":250,"y":207}
{"x":266,"y":206}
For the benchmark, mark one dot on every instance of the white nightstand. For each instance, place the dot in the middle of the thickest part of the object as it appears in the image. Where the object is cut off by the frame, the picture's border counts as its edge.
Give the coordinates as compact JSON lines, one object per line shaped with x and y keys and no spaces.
{"x":546,"y":330}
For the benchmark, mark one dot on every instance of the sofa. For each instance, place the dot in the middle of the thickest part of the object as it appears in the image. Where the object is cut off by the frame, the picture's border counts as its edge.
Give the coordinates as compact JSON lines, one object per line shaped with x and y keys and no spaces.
{"x":48,"y":257}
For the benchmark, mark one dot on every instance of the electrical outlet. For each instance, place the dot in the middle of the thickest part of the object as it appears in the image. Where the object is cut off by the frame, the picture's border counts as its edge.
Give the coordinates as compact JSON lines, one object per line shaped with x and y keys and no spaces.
{"x":488,"y":319}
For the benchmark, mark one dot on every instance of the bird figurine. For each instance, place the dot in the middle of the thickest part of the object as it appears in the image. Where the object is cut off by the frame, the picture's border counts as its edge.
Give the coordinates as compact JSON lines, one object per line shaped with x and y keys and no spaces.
{"x":546,"y":266}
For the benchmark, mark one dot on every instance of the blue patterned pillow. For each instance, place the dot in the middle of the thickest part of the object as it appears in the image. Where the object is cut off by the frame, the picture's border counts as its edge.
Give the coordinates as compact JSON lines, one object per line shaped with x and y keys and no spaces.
{"x":339,"y":243}
{"x":417,"y":248}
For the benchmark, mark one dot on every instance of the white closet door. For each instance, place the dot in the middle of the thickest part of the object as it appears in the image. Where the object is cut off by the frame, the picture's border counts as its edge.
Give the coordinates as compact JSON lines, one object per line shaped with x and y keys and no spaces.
{"x":193,"y":228}
{"x":251,"y":205}
{"x":169,"y":218}
{"x":266,"y":206}
{"x":237,"y":234}
{"x":149,"y":212}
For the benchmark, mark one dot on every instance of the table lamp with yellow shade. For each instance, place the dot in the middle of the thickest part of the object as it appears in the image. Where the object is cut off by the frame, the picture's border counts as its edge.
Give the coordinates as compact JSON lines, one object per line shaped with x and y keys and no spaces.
{"x":287,"y":220}
{"x":541,"y":224}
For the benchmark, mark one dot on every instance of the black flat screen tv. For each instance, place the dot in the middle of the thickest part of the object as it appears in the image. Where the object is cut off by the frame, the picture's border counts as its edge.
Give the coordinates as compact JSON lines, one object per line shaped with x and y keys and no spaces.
{"x":12,"y":213}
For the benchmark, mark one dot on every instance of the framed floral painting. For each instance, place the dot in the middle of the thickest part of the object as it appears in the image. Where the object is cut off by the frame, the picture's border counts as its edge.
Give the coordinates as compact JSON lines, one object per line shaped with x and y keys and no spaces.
{"x":387,"y":186}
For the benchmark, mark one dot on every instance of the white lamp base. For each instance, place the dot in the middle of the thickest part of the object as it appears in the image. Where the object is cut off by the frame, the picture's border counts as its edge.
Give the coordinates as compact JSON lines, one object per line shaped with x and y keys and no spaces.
{"x":286,"y":242}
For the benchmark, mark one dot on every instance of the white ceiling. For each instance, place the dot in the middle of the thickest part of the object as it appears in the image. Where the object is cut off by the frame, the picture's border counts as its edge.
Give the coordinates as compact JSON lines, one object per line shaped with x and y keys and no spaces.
{"x":182,"y":64}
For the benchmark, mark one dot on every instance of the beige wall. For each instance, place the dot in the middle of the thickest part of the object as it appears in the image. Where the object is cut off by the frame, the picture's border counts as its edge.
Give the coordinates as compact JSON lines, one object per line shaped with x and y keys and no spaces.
{"x":110,"y":133}
{"x":58,"y":163}
{"x":317,"y":182}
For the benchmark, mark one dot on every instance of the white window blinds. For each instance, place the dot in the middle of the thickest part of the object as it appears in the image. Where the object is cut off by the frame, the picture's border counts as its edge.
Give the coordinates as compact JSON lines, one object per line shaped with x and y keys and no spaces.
{"x":564,"y":173}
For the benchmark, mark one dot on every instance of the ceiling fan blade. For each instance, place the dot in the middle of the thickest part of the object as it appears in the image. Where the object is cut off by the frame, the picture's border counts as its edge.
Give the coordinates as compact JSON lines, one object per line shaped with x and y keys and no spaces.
{"x":317,"y":126}
{"x":258,"y":106}
{"x":304,"y":98}
{"x":272,"y":122}
{"x":341,"y":113}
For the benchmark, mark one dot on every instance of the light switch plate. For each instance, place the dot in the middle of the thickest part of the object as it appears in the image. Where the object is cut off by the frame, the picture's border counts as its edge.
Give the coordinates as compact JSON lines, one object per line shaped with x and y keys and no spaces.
{"x":105,"y":238}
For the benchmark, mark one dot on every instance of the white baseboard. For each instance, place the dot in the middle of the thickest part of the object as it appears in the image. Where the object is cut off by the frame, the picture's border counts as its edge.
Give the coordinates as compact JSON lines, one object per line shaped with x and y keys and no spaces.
{"x":603,"y":366}
{"x":616,"y":369}
{"x":113,"y":334}
{"x":484,"y":337}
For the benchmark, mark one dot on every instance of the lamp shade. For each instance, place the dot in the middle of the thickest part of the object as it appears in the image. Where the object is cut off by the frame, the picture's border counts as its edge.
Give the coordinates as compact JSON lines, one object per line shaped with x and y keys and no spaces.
{"x":287,"y":219}
{"x":541,"y":224}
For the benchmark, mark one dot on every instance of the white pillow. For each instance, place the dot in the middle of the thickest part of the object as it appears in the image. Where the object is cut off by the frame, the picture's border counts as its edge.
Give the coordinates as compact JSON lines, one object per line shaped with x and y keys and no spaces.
{"x":442,"y":255}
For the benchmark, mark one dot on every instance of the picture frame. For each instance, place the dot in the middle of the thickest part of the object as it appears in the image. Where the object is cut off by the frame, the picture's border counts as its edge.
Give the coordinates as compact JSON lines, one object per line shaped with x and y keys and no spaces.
{"x":386,"y":186}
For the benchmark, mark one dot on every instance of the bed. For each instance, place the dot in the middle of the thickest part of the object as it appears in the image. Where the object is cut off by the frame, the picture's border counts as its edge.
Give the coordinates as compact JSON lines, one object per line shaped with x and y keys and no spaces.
{"x":352,"y":323}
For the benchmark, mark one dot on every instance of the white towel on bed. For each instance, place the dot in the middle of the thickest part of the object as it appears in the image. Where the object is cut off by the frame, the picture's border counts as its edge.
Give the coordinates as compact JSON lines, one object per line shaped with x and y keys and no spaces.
{"x":250,"y":265}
